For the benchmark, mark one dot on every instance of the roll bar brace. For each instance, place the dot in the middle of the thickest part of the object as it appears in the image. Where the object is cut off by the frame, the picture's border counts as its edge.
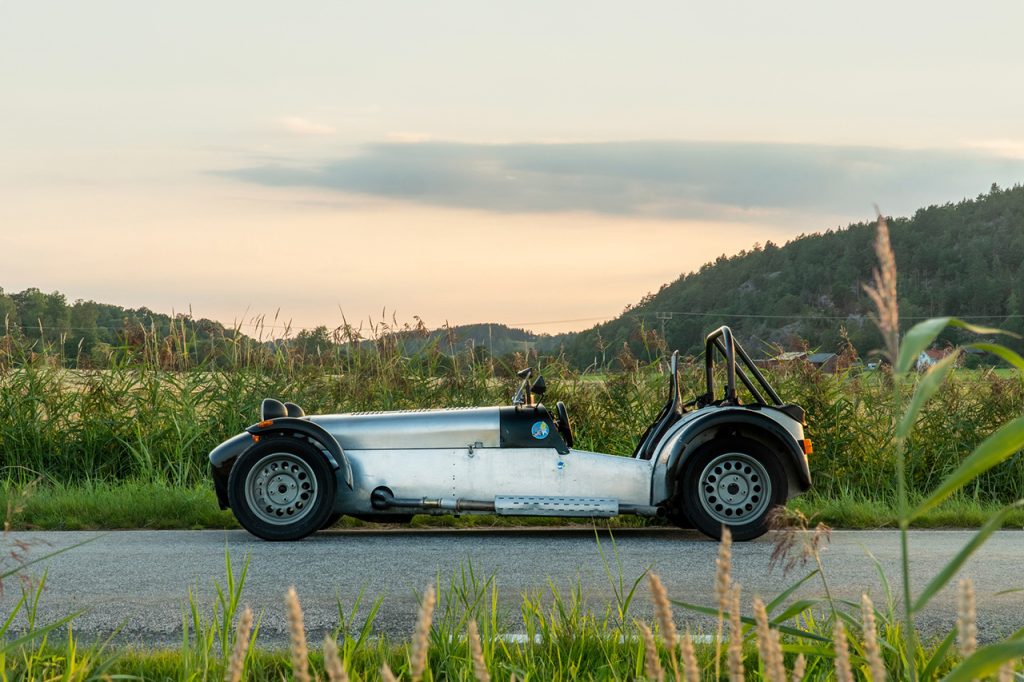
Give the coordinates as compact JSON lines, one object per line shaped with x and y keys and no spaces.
{"x":721,"y":342}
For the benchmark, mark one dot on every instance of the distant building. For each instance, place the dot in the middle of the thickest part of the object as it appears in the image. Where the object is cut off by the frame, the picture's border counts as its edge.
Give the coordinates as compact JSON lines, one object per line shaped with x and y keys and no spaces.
{"x":929,"y":357}
{"x":825,"y":362}
{"x":781,"y":359}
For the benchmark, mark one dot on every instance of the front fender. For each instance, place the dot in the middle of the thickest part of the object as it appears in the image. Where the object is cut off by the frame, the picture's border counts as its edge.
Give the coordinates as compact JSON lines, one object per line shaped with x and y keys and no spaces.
{"x":680,"y":442}
{"x":291,"y":425}
{"x":223,"y":456}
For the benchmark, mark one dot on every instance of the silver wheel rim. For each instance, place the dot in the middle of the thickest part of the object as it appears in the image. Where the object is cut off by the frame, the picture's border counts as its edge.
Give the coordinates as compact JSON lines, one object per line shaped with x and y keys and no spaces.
{"x":734,"y":489}
{"x":281,"y":489}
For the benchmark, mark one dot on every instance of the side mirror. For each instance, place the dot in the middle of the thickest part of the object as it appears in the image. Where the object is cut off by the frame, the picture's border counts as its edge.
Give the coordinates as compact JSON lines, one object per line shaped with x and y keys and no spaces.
{"x":539,"y":387}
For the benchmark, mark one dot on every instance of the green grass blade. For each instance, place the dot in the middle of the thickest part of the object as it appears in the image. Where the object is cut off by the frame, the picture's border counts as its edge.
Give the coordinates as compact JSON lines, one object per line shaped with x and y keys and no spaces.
{"x":786,"y":629}
{"x":1006,"y":441}
{"x":1001,"y":352}
{"x":938,"y":656}
{"x":917,"y":339}
{"x":784,"y":595}
{"x":986,"y":661}
{"x":954,"y":564}
{"x":928,"y":386}
{"x":922,"y":334}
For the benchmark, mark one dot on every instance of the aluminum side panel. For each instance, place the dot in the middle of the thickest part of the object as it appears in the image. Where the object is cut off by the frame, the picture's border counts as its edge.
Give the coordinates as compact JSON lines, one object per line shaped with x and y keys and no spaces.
{"x":489,"y":472}
{"x":414,"y":429}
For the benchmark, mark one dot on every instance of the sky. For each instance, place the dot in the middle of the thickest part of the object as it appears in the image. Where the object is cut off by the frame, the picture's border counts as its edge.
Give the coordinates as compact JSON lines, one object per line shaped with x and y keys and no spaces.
{"x":537,"y":164}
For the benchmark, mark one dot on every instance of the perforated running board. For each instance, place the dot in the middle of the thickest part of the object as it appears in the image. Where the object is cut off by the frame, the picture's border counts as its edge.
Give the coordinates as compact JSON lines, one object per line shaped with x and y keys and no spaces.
{"x":533,"y":505}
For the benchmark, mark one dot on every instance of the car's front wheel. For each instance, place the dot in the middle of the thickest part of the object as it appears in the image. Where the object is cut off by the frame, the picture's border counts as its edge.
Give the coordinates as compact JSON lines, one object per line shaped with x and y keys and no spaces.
{"x":282,"y":489}
{"x":733,"y":482}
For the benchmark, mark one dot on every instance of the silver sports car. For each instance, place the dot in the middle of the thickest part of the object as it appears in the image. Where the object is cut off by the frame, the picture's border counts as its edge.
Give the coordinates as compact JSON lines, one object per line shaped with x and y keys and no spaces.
{"x":712,"y":462}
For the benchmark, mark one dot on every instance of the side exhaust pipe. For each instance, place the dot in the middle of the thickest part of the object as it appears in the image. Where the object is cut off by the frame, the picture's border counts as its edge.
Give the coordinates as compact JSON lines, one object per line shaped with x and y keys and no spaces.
{"x":382,"y":498}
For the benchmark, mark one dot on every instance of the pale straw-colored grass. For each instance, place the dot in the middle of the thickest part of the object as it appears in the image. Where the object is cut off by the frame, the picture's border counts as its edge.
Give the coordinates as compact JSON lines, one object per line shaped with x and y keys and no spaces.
{"x":236,"y":666}
{"x":385,"y":673}
{"x":666,"y":621}
{"x":476,"y":649}
{"x":421,"y":636}
{"x":297,"y":631}
{"x":1006,"y":672}
{"x":872,"y":650}
{"x":768,"y":644}
{"x":799,"y":668}
{"x":652,"y":661}
{"x":966,"y":618}
{"x":691,"y":669}
{"x":882,"y":291}
{"x":735,"y":636}
{"x":723,"y":580}
{"x":842,"y":649}
{"x":332,"y":662}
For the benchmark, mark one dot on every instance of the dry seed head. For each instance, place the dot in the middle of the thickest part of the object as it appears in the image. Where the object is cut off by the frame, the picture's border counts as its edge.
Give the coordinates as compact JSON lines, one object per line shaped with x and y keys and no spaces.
{"x":871,"y":649}
{"x":421,"y":637}
{"x":332,"y":663}
{"x":477,"y":649}
{"x":663,"y":612}
{"x":242,"y":631}
{"x":297,"y":629}
{"x":735,"y":636}
{"x":652,"y":661}
{"x":842,"y":649}
{"x":882,"y":291}
{"x":799,"y":668}
{"x":691,"y":670}
{"x":385,"y":673}
{"x":966,"y":618}
{"x":768,"y":644}
{"x":723,"y":580}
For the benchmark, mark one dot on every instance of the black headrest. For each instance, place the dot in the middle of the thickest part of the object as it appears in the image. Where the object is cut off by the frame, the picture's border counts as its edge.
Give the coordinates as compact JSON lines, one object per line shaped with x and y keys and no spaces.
{"x":272,"y":409}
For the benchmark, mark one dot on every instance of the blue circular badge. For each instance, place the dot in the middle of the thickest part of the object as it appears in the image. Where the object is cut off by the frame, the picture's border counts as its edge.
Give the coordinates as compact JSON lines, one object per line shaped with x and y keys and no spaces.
{"x":539,"y":430}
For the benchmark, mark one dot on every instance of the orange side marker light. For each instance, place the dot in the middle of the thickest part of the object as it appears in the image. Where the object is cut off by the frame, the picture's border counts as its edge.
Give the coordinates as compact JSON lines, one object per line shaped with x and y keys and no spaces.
{"x":808,"y":446}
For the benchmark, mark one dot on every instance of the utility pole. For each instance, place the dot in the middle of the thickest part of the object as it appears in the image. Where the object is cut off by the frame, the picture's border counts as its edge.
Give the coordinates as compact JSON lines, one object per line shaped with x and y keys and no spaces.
{"x":663,"y":317}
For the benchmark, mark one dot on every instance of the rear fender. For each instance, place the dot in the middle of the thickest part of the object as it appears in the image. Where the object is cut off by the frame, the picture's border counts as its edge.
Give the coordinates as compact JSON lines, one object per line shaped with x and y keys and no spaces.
{"x":678,"y":445}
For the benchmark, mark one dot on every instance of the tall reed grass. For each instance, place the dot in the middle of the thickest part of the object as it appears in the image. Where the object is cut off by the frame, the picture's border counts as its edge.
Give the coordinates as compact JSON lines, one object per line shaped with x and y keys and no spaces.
{"x":153,"y":415}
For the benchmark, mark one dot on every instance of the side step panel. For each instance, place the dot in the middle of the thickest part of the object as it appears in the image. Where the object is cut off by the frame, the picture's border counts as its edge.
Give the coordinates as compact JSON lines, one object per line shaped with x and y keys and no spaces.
{"x":535,"y":505}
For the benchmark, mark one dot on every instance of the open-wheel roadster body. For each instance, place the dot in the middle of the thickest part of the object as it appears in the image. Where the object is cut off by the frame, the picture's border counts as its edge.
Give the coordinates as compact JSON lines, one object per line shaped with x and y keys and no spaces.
{"x":709,"y":463}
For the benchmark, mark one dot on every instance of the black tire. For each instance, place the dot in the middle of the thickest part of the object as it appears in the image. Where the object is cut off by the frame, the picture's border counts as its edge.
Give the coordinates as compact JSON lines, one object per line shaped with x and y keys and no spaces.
{"x":331,"y":520}
{"x":735,"y":482}
{"x":302,"y":497}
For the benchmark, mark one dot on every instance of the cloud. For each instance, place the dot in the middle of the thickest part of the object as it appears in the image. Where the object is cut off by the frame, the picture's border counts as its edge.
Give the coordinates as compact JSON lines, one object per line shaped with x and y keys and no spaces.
{"x":661,"y":179}
{"x":304,"y":126}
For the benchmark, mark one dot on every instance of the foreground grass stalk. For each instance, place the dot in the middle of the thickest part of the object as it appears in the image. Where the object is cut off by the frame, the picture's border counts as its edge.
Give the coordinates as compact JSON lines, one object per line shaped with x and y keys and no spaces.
{"x":666,"y":621}
{"x":332,"y":662}
{"x":476,"y":651}
{"x":723,"y":580}
{"x":735,"y":636}
{"x":882,"y":292}
{"x":652,"y":661}
{"x":421,"y":637}
{"x":870,"y":633}
{"x":297,"y":630}
{"x":236,"y":666}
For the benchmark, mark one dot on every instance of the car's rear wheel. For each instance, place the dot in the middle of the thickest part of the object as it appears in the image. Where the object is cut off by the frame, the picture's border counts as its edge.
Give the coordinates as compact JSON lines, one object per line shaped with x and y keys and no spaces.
{"x":733,"y":482}
{"x":282,"y":489}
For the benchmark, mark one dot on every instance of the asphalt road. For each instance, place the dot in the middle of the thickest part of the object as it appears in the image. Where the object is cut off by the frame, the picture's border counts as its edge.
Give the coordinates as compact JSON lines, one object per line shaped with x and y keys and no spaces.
{"x":140,"y":580}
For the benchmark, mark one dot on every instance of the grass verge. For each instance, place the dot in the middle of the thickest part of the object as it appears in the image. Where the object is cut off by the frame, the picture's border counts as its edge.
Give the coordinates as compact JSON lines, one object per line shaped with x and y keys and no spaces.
{"x":159,"y":506}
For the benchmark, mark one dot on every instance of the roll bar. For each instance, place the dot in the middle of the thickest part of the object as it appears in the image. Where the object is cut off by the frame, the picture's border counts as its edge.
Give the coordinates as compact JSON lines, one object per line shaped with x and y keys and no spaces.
{"x":721,"y":342}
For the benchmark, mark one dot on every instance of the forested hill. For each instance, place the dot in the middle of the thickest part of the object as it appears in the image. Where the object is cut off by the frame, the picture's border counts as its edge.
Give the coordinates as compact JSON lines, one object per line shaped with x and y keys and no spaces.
{"x":964,"y":259}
